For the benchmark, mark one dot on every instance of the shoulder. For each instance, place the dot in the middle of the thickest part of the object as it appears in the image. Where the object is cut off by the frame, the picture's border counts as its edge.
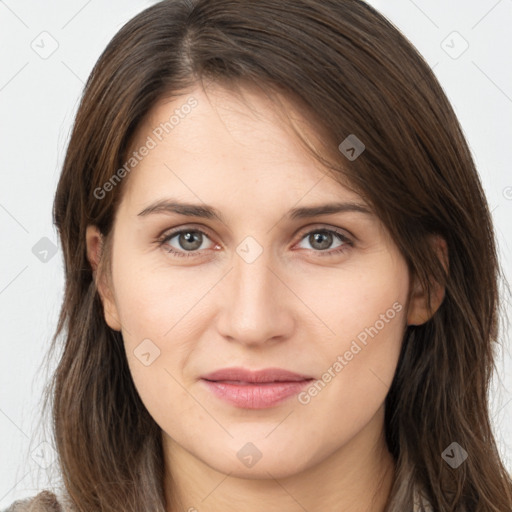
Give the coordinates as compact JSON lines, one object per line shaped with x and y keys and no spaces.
{"x":45,"y":501}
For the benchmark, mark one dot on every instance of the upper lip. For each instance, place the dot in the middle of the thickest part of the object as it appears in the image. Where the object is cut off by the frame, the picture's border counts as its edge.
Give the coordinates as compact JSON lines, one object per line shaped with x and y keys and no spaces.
{"x":265,"y":375}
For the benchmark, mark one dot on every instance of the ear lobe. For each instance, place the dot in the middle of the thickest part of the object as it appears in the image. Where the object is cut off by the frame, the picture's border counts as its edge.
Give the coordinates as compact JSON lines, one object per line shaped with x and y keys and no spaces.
{"x":418,"y":312}
{"x":94,"y":243}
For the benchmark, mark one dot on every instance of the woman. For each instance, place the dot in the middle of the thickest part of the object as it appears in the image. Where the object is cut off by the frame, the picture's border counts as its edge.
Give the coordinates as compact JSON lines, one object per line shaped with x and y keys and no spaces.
{"x":281,"y":276}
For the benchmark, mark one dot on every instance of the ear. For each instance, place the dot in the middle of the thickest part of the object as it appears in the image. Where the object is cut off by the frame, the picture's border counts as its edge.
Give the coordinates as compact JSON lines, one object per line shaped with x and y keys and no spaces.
{"x":94,"y":242}
{"x":418,"y":312}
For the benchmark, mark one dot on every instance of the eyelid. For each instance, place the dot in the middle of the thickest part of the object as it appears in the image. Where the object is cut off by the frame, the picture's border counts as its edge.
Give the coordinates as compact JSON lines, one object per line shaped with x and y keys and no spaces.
{"x":191,"y":227}
{"x":344,"y":233}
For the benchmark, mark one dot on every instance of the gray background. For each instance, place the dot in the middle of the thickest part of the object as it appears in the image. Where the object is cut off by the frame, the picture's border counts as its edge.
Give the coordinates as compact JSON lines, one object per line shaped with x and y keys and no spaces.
{"x":47,"y":51}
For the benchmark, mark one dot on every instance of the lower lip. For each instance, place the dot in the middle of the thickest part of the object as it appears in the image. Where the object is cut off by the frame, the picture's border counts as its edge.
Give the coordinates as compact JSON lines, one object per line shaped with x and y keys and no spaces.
{"x":255,"y":396}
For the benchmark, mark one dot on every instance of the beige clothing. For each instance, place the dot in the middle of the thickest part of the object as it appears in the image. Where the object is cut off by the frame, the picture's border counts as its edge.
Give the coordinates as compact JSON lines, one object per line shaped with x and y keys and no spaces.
{"x":47,"y":501}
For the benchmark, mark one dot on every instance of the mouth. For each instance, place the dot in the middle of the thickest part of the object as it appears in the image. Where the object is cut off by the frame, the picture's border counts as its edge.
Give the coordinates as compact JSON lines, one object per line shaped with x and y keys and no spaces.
{"x":255,"y":389}
{"x":242,"y":383}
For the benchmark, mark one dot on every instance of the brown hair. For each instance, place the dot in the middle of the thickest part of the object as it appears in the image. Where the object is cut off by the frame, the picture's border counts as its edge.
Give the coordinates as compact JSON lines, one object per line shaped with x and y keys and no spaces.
{"x":354,"y":73}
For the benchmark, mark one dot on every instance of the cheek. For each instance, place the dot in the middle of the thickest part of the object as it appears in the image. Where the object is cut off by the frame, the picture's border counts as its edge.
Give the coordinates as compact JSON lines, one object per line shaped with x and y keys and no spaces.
{"x":151,"y":298}
{"x":159,"y":319}
{"x":363,"y":313}
{"x":367,"y":295}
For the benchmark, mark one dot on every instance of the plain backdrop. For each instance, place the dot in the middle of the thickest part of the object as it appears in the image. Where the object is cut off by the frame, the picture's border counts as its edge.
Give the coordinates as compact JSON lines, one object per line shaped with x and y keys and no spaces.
{"x":47,"y":51}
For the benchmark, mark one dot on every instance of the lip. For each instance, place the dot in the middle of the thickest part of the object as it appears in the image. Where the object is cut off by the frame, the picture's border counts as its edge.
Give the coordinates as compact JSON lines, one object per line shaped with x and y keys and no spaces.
{"x":257,"y":389}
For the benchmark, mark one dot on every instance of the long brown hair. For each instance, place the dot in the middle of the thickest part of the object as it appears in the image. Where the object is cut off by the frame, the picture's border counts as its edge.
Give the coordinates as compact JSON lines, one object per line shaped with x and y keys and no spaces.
{"x":351,"y":72}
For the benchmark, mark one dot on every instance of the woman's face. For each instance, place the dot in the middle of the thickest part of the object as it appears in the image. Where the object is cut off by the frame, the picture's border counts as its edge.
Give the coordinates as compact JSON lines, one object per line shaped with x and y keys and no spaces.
{"x":256,"y":280}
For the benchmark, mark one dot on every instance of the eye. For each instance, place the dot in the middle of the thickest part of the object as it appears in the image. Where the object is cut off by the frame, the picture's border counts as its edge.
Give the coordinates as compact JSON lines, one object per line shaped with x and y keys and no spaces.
{"x":322,"y":239}
{"x":189,"y":242}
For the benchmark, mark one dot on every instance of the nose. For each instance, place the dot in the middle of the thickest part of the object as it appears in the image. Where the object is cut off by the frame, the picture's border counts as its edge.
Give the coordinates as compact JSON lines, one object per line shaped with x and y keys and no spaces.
{"x":257,"y":307}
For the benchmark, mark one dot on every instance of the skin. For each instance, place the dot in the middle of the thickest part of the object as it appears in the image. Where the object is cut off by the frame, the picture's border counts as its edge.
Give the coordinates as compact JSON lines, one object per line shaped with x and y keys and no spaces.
{"x":294,"y":307}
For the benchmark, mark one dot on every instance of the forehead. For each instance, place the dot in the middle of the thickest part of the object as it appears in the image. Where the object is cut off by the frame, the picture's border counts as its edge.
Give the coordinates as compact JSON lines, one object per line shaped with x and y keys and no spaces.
{"x":221,"y":142}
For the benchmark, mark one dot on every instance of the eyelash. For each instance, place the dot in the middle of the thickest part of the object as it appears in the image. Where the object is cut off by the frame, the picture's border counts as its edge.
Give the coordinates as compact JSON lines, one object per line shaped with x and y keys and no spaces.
{"x":166,"y":237}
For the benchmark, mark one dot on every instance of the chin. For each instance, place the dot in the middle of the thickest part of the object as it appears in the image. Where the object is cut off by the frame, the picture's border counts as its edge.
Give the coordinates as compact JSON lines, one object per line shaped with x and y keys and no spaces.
{"x":261,"y":459}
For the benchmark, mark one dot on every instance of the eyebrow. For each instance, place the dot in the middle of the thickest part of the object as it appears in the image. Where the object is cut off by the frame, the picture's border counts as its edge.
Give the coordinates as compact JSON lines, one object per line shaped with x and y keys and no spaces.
{"x":209,"y":212}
